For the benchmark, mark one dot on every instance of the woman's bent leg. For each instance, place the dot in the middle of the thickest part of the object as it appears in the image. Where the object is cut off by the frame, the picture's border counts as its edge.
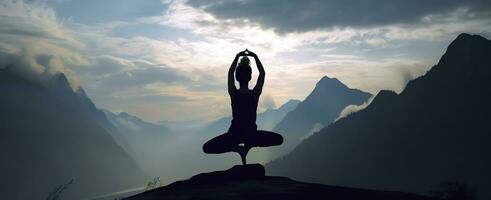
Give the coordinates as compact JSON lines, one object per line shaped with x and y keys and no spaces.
{"x":220,"y":144}
{"x":265,"y":139}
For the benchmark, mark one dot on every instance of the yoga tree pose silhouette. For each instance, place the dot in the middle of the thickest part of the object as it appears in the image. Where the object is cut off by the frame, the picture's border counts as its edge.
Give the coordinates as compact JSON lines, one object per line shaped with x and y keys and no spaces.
{"x":242,"y":134}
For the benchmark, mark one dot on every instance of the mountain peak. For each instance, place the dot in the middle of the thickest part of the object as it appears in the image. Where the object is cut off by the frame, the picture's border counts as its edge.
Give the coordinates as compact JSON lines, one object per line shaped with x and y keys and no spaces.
{"x":468,"y":43}
{"x":469,"y":37}
{"x":330,"y":83}
{"x":327,"y":79}
{"x":61,"y":77}
{"x":125,"y":115}
{"x":129,"y":116}
{"x":291,"y":102}
{"x":60,"y":82}
{"x":384,"y":97}
{"x":466,"y":59}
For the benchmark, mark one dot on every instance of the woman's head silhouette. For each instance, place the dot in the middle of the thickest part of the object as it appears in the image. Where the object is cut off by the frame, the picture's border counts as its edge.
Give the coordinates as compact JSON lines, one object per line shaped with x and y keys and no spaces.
{"x":243,"y":73}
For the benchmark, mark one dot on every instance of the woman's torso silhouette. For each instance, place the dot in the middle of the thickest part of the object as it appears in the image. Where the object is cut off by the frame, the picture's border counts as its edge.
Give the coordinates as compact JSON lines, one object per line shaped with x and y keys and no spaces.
{"x":244,"y":107}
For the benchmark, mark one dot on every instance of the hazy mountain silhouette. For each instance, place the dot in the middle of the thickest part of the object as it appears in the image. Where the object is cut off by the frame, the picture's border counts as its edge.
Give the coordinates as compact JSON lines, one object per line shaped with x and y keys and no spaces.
{"x":142,"y":140}
{"x":436,"y":130}
{"x":320,"y":108}
{"x":49,"y":135}
{"x":249,"y":182}
{"x":77,"y":101}
{"x":268,"y":119}
{"x":186,"y":126}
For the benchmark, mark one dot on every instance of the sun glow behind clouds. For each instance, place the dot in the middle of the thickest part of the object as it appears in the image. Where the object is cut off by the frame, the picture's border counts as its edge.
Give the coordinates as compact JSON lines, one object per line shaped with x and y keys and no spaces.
{"x":181,"y":74}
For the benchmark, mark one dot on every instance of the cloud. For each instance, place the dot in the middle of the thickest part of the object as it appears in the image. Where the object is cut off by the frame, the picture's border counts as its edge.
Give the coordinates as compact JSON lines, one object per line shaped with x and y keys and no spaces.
{"x":144,"y":76}
{"x":126,"y":73}
{"x":348,"y":48}
{"x":354,"y":108}
{"x":300,"y":16}
{"x":100,"y":11}
{"x":177,"y":68}
{"x":315,"y":128}
{"x":196,"y":104}
{"x":266,"y":102}
{"x":114,"y":71}
{"x":34,"y":43}
{"x":32,"y":21}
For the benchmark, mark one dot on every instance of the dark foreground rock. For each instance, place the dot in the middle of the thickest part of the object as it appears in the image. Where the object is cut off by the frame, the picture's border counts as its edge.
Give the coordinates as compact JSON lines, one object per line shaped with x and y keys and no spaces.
{"x":249,"y":182}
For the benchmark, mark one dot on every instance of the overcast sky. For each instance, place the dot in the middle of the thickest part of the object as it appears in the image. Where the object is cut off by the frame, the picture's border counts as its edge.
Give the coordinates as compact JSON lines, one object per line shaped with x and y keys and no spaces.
{"x":168,"y":60}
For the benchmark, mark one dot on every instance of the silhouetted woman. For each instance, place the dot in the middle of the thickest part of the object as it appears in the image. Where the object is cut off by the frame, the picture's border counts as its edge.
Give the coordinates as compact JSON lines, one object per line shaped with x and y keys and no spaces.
{"x":243,"y":134}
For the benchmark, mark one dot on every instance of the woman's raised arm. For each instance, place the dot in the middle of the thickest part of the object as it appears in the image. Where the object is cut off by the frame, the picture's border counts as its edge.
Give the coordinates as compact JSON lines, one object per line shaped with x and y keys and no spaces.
{"x":231,"y":70}
{"x":260,"y":79}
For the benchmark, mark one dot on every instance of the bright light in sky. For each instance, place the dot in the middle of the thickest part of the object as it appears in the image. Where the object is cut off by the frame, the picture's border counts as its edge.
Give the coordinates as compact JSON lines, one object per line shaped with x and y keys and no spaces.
{"x":168,"y":60}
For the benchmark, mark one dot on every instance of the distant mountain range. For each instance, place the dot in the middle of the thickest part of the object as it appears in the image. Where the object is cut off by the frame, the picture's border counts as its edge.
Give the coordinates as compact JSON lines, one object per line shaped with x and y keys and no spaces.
{"x":268,"y":119}
{"x":321,"y":107}
{"x":50,"y":134}
{"x":144,"y":141}
{"x":436,"y":130}
{"x":186,"y":126}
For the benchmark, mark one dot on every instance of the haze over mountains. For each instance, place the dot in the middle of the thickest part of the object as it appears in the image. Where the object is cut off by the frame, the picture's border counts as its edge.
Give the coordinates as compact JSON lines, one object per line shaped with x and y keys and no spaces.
{"x":320,"y":108}
{"x":144,"y":141}
{"x":436,"y":130}
{"x":61,"y":128}
{"x":136,"y":147}
{"x":50,"y":135}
